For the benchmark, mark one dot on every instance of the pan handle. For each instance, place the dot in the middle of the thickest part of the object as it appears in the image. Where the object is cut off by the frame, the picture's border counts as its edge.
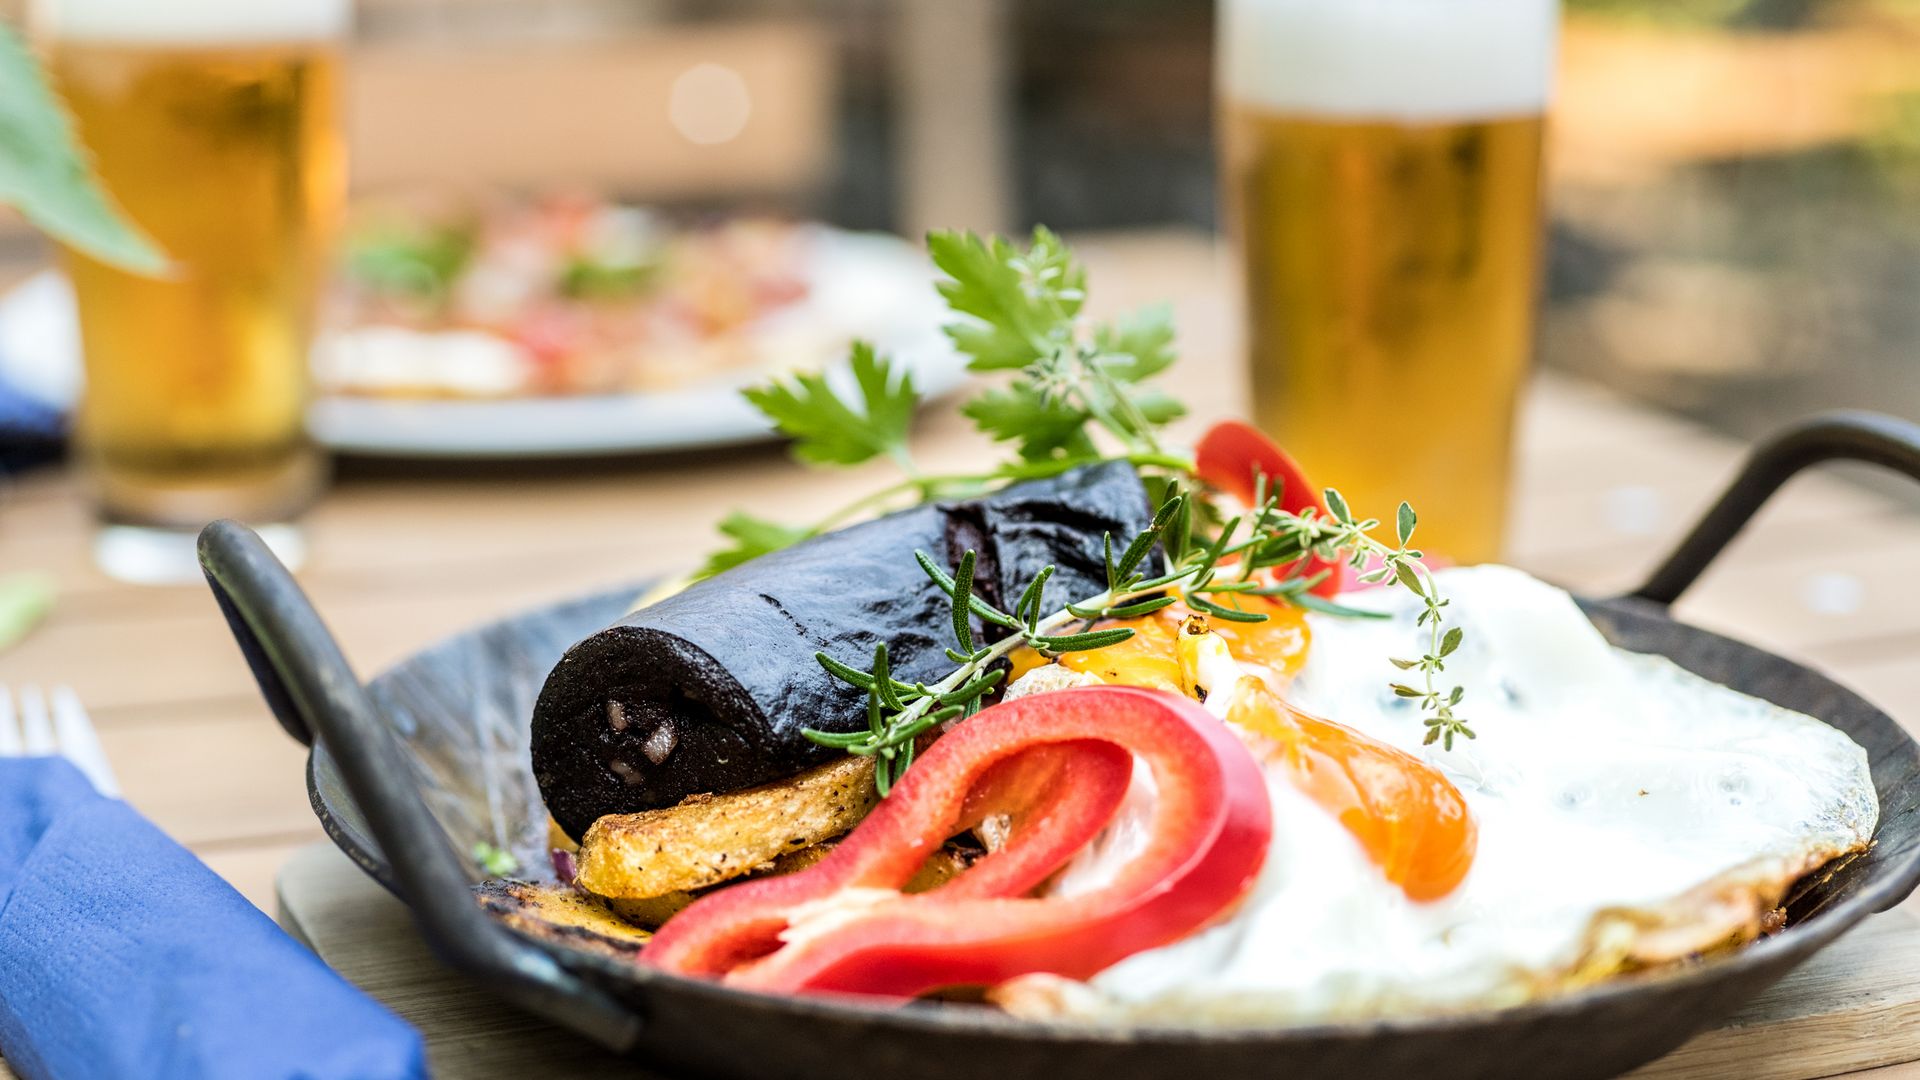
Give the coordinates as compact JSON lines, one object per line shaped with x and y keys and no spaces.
{"x":315,"y":696}
{"x":1871,"y":437}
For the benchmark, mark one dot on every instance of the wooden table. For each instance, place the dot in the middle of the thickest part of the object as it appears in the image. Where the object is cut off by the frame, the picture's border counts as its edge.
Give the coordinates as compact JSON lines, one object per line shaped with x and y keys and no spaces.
{"x":401,"y":557}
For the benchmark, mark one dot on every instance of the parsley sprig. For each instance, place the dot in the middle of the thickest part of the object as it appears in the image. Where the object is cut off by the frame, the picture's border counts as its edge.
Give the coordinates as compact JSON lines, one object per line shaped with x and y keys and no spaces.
{"x":1211,"y":577}
{"x":826,"y":430}
{"x":1074,"y":395}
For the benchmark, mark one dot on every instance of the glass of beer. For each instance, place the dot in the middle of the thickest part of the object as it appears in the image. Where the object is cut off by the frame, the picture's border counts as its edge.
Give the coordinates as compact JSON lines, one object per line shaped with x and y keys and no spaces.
{"x":214,"y":124}
{"x":1382,"y":169}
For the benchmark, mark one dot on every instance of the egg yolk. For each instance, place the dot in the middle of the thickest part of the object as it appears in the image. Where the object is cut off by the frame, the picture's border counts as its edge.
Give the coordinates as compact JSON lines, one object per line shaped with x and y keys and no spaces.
{"x":1410,"y":819}
{"x":1150,"y":658}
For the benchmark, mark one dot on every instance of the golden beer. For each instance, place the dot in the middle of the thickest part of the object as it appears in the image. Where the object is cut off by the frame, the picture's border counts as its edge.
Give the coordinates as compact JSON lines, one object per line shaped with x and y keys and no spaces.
{"x":228,"y":152}
{"x":1389,"y":253}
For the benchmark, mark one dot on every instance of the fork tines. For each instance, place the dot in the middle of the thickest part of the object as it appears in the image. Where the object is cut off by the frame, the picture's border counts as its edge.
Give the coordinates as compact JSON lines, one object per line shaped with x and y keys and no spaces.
{"x":35,"y":724}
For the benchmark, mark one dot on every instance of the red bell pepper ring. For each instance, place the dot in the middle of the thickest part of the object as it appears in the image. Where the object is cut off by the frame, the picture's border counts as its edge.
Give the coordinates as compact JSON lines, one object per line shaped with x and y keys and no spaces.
{"x":1233,"y":455}
{"x":1059,"y":765}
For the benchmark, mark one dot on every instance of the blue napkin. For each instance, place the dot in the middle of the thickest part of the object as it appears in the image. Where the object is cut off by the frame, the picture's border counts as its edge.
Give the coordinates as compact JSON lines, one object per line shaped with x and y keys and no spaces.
{"x":121,"y":955}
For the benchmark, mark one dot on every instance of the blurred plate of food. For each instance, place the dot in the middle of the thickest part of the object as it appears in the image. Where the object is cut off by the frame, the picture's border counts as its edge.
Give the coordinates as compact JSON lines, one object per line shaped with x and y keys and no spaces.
{"x":568,"y":326}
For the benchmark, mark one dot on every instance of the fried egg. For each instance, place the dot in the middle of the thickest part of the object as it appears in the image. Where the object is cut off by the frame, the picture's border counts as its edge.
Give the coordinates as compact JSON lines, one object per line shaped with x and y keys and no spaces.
{"x":1614,"y":812}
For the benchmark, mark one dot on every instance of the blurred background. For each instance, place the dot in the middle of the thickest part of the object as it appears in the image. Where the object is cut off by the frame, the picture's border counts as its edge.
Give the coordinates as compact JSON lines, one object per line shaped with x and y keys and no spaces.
{"x":1734,"y":184}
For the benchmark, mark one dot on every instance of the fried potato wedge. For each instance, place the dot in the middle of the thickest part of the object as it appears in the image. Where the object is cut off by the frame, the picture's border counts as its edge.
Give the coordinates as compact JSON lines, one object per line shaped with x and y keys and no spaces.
{"x":708,"y":839}
{"x":560,"y":914}
{"x":651,"y":911}
{"x":941,"y":867}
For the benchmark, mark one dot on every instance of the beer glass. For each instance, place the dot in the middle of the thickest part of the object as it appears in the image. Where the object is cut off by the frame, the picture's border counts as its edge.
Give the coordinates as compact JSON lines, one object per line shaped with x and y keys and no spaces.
{"x":214,"y":124}
{"x":1382,"y":168}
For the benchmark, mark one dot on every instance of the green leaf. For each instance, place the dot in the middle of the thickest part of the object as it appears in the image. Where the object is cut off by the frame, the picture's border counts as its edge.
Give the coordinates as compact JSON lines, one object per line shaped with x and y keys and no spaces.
{"x":1136,"y":552}
{"x":1311,"y":602}
{"x":1337,"y":506}
{"x":1043,"y":427}
{"x":1092,"y":639}
{"x":1139,"y":345}
{"x":418,"y":261}
{"x":1227,"y":613}
{"x":1451,"y":641}
{"x":835,"y":739}
{"x":1179,"y":538}
{"x":963,"y":601}
{"x":25,"y":599}
{"x":752,"y":537}
{"x":1020,"y":303}
{"x":972,"y":690}
{"x":496,"y":861}
{"x":844,"y":672}
{"x":1406,"y":523}
{"x":1157,"y":407}
{"x":1410,"y":578}
{"x":1143,"y":607}
{"x":944,"y":581}
{"x":883,"y":683}
{"x":1035,"y":594}
{"x":43,"y":173}
{"x":828,"y":431}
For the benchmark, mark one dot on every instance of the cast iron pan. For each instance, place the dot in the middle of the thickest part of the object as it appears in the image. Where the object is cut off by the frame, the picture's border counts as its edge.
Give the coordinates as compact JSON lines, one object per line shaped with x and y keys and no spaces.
{"x":408,"y":773}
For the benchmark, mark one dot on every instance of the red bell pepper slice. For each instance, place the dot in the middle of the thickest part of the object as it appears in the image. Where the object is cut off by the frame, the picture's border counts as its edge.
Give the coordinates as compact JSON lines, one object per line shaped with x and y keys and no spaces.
{"x":1232,"y":455}
{"x":1058,"y":764}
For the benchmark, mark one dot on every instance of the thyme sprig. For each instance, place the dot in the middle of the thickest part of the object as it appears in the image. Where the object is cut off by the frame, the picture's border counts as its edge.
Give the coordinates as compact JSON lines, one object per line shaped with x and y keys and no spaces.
{"x":898,"y":713}
{"x":1339,"y":535}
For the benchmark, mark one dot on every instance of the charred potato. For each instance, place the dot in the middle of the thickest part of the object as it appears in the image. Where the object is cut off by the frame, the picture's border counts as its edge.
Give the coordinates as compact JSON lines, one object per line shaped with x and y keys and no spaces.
{"x":940,"y":868}
{"x":709,"y":839}
{"x":560,"y":914}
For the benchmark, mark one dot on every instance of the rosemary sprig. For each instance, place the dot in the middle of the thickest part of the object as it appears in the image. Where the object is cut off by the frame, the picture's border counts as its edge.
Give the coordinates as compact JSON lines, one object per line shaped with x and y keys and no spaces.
{"x":898,"y":713}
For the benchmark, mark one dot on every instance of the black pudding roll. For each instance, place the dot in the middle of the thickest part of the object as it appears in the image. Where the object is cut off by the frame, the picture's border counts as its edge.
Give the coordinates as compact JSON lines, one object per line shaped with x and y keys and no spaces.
{"x":708,"y":690}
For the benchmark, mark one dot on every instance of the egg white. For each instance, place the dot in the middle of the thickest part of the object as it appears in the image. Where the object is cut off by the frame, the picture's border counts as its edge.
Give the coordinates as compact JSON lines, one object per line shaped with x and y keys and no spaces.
{"x":1629,"y":813}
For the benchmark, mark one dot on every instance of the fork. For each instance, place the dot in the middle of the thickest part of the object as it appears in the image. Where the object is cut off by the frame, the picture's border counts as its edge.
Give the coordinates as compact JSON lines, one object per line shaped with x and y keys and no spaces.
{"x":45,"y":724}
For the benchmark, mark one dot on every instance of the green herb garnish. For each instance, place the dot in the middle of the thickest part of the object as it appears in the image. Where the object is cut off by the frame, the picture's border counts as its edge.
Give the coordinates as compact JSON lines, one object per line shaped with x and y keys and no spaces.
{"x":415,"y":261}
{"x":496,"y":861}
{"x":898,"y":713}
{"x":25,"y":599}
{"x":585,"y":278}
{"x":1071,"y":382}
{"x":1074,"y":387}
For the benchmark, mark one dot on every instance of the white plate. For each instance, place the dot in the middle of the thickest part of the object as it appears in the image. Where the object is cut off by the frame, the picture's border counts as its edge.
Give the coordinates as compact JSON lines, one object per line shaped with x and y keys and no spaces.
{"x":878,"y":286}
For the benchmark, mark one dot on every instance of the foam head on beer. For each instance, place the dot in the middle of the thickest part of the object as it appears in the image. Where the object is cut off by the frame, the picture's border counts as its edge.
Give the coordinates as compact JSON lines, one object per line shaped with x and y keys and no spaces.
{"x":191,"y":22}
{"x":1389,"y":59}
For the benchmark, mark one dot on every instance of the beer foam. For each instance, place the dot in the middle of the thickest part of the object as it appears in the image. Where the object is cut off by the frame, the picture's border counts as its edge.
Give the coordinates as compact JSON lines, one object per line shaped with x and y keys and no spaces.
{"x":192,"y":22}
{"x":1389,"y":59}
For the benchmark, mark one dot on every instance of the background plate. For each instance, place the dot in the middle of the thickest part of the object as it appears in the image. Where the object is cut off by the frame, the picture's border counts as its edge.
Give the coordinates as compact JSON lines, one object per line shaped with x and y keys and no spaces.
{"x":879,"y":283}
